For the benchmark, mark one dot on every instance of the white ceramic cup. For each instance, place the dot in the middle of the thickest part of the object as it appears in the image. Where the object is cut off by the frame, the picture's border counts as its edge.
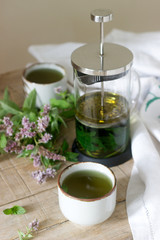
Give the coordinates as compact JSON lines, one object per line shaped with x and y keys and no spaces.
{"x":45,"y":91}
{"x":87,"y":211}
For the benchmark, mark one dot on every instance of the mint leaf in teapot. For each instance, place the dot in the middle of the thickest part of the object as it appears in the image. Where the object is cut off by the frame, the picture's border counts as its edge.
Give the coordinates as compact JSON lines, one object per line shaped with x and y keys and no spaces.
{"x":15,"y":210}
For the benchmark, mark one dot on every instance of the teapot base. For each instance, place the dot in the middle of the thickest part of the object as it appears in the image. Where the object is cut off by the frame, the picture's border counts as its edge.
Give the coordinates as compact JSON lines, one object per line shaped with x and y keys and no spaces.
{"x":109,"y":162}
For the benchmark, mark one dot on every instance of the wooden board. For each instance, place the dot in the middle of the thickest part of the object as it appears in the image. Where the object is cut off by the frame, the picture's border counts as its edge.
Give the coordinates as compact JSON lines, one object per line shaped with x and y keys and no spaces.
{"x":17,"y":187}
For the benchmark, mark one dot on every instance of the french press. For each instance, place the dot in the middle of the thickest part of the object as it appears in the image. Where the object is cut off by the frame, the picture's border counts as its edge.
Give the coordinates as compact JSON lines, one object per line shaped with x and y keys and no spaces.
{"x":102,"y":75}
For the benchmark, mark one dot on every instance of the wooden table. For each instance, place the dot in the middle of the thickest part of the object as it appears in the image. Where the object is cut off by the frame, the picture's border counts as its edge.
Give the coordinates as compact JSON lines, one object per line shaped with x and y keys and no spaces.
{"x":17,"y":187}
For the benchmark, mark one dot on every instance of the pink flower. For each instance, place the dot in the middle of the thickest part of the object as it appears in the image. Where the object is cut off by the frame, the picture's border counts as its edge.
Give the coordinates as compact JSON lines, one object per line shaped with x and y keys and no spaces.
{"x":45,"y":138}
{"x":34,"y":225}
{"x":41,"y":176}
{"x":12,"y":147}
{"x":7,"y":122}
{"x":43,"y":123}
{"x":29,"y":146}
{"x":58,"y":89}
{"x":36,"y":159}
{"x":51,"y":155}
{"x":25,"y":122}
{"x":18,"y":137}
{"x":9,"y":131}
{"x":46,"y":110}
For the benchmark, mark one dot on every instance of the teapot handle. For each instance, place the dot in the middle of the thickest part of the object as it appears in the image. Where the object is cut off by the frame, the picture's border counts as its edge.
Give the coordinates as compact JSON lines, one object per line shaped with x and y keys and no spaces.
{"x":135,"y":88}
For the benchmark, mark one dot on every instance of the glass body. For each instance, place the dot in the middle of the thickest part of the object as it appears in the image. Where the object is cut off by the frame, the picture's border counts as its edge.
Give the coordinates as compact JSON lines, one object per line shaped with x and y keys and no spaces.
{"x":102,"y":114}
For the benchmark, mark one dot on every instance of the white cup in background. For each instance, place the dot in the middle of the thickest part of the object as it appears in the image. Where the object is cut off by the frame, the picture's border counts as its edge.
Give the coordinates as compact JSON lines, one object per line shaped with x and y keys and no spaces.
{"x":45,"y":90}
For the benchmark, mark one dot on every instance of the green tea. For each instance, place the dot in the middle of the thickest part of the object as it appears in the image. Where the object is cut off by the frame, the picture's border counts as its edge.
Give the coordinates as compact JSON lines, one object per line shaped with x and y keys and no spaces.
{"x":44,"y":75}
{"x":102,"y":132}
{"x":87,"y":184}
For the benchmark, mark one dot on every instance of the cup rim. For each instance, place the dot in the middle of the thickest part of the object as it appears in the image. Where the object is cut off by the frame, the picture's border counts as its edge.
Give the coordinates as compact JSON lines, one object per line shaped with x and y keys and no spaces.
{"x":38,"y":64}
{"x":86,"y":199}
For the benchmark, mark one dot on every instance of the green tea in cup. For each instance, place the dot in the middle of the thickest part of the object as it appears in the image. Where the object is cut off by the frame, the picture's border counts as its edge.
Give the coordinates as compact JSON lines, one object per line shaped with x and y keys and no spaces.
{"x":87,"y":184}
{"x":87,"y":193}
{"x":44,"y":75}
{"x":45,"y":78}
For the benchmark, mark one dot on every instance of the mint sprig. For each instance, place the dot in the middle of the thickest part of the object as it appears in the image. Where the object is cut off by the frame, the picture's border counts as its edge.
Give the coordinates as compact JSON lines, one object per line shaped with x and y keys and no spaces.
{"x":15,"y":210}
{"x":31,"y":132}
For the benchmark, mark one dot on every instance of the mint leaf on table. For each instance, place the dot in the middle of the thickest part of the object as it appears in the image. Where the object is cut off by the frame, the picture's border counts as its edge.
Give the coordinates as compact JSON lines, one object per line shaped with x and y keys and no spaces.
{"x":15,"y":210}
{"x":30,"y":101}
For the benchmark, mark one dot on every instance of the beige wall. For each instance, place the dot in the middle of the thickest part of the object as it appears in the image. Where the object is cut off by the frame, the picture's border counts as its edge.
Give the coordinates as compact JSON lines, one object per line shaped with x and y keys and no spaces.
{"x":27,"y":22}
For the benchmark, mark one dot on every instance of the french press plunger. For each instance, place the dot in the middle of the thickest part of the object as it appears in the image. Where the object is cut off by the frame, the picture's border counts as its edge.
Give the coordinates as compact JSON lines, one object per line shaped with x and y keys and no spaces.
{"x":102,"y":90}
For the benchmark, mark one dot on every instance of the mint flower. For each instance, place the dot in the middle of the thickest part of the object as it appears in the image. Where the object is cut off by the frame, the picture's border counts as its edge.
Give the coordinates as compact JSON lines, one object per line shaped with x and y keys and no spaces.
{"x":45,"y":138}
{"x":34,"y":225}
{"x":46,"y":110}
{"x":9,"y":131}
{"x":41,"y":176}
{"x":7,"y":122}
{"x":30,"y":147}
{"x":28,"y":132}
{"x":36,"y":160}
{"x":43,"y":123}
{"x":12,"y":147}
{"x":50,"y":155}
{"x":58,"y":89}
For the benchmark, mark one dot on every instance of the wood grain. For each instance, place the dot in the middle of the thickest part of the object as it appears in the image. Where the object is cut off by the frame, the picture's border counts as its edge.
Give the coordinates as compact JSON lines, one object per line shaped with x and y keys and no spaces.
{"x":41,"y":201}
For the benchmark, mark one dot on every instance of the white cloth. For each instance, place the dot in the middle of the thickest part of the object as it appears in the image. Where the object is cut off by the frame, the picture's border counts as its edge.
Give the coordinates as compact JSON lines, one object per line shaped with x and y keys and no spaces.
{"x":143,"y":193}
{"x":145,"y":47}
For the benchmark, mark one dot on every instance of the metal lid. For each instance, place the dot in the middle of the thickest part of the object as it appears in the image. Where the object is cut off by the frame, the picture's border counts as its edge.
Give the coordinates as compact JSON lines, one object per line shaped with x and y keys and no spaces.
{"x":115,"y":60}
{"x":101,"y":15}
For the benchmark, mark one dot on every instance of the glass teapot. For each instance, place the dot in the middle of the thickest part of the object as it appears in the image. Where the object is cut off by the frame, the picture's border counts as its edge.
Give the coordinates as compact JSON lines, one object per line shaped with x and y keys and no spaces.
{"x":102,"y":74}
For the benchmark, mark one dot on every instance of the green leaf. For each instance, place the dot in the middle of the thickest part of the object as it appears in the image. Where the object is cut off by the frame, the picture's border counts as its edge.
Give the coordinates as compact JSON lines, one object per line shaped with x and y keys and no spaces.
{"x":10,"y":107}
{"x":8,"y":211}
{"x":45,"y":161}
{"x":59,"y":103}
{"x":2,"y":112}
{"x":57,"y":166}
{"x":25,"y":236}
{"x":71,"y":156}
{"x":25,"y":153}
{"x":32,"y":117}
{"x":6,"y":94}
{"x":16,"y":210}
{"x":64,"y":146}
{"x":30,"y":101}
{"x":69,"y":113}
{"x":62,"y":121}
{"x":3,"y":141}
